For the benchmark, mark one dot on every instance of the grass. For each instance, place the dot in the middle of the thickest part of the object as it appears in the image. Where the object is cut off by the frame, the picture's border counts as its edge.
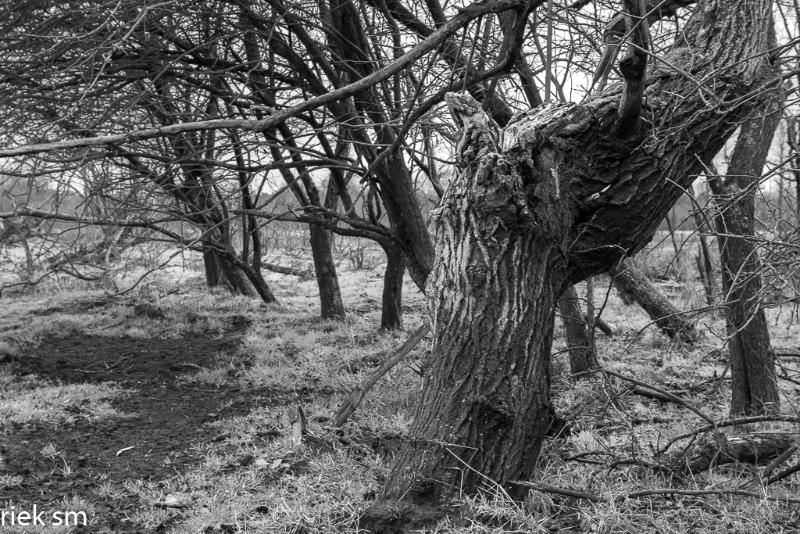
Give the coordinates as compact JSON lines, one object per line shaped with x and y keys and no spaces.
{"x":252,"y":478}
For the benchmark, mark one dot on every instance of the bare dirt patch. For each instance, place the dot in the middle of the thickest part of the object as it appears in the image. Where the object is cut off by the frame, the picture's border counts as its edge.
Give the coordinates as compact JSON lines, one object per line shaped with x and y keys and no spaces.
{"x":165,"y":422}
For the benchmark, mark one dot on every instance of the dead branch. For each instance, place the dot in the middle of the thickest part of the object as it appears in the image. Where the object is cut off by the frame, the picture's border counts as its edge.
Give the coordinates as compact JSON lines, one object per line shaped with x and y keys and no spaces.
{"x":275,"y":268}
{"x":789,"y":471}
{"x":785,"y":455}
{"x":354,"y":399}
{"x":720,"y":449}
{"x":605,"y":327}
{"x":662,"y":392}
{"x":730,"y":422}
{"x":653,"y":492}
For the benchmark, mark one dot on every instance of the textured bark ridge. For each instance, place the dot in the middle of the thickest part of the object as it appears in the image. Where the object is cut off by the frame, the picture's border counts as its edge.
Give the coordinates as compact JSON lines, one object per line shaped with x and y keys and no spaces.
{"x":492,"y":296}
{"x":558,"y":197}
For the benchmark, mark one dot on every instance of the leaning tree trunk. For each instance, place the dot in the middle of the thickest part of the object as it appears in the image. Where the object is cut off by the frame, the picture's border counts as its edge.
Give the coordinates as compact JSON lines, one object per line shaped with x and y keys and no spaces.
{"x":254,"y":274}
{"x":235,"y":279}
{"x":392,"y":300}
{"x":754,"y":388}
{"x":330,"y":297}
{"x":569,"y":191}
{"x":633,"y":283}
{"x":220,"y":270}
{"x":580,"y":339}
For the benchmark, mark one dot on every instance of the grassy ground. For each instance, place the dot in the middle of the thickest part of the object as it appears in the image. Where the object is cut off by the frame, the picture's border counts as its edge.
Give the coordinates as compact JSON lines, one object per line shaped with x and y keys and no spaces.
{"x":178,"y":420}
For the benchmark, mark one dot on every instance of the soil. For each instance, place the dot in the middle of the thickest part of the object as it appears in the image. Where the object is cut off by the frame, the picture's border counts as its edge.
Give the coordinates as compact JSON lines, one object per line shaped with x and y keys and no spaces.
{"x":166,"y":423}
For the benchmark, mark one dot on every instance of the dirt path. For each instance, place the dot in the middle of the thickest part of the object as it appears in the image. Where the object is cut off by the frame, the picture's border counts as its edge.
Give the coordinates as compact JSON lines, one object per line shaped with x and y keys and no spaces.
{"x":165,"y":422}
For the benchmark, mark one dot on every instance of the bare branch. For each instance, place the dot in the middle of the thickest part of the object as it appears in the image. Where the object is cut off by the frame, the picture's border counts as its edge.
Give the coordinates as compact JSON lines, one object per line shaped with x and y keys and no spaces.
{"x":436,"y":38}
{"x":634,"y":66}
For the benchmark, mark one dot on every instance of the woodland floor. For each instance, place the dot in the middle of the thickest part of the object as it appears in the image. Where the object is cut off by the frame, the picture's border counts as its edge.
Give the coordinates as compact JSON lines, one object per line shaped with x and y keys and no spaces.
{"x":174,"y":419}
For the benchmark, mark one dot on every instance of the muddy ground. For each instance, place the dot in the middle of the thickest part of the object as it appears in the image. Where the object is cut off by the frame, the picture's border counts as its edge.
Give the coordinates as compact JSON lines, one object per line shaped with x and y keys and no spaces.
{"x":166,"y":422}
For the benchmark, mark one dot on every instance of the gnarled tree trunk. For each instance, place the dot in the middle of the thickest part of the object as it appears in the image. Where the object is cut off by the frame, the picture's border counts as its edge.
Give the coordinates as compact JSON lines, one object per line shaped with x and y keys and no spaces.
{"x":492,"y":295}
{"x":569,"y":190}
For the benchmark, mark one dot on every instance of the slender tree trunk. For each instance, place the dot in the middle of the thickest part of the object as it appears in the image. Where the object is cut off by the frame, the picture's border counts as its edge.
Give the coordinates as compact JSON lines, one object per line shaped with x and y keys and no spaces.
{"x":580,"y":341}
{"x":330,"y":297}
{"x":793,"y":137}
{"x":211,"y":265}
{"x":392,"y":302}
{"x":633,"y":283}
{"x":754,"y":388}
{"x":797,"y":192}
{"x":703,"y":258}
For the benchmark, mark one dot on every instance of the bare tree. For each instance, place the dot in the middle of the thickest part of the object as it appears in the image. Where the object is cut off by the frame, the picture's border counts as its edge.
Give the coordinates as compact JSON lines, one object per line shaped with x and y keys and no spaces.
{"x":567,"y":191}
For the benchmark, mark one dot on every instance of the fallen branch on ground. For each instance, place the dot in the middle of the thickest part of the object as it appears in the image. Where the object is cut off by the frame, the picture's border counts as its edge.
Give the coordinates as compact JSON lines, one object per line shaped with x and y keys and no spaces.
{"x":605,"y":327}
{"x":652,"y":492}
{"x":275,"y":268}
{"x":730,"y":422}
{"x":662,"y":392}
{"x":354,"y":399}
{"x":719,"y":449}
{"x":789,"y":471}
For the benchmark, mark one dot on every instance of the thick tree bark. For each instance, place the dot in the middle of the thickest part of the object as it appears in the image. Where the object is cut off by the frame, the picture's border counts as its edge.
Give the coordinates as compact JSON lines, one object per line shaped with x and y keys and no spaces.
{"x":580,"y":341}
{"x":562,"y":198}
{"x":485,"y":405}
{"x":754,"y":388}
{"x":632,"y":283}
{"x":392,"y":300}
{"x":330,"y":298}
